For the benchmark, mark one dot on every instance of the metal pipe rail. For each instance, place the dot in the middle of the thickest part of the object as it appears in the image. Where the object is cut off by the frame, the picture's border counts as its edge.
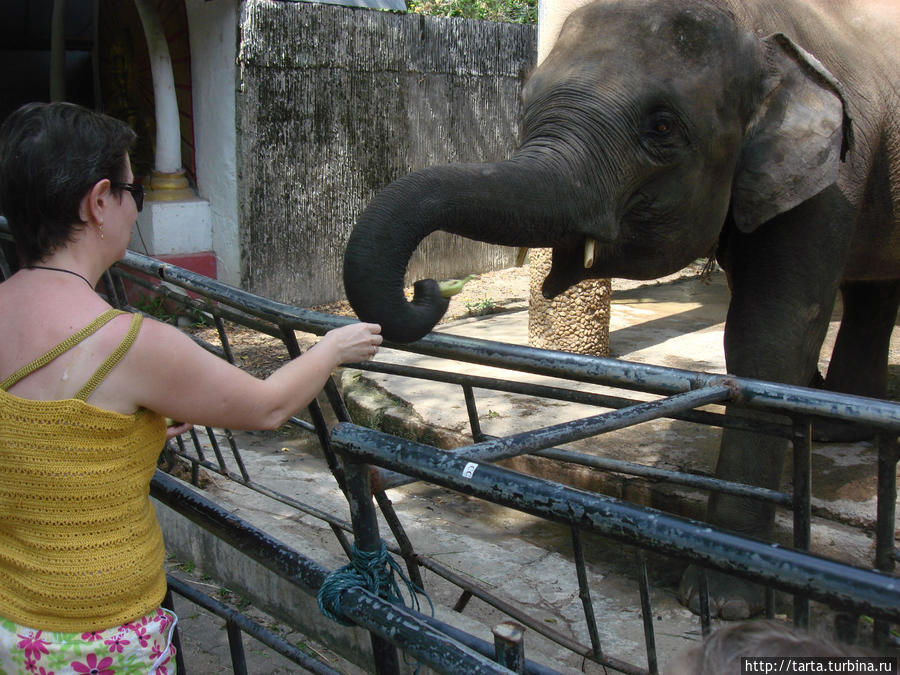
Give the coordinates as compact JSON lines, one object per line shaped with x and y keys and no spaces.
{"x":263,"y":308}
{"x":837,"y":584}
{"x":541,"y":439}
{"x":661,"y":380}
{"x":237,"y":623}
{"x":225,"y":303}
{"x":468,"y":381}
{"x":432,"y":642}
{"x":794,"y":401}
{"x":798,"y":402}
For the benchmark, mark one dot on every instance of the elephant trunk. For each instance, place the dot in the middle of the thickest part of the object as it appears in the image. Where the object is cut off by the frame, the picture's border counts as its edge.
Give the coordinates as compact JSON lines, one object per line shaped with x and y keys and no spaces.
{"x":498,"y":203}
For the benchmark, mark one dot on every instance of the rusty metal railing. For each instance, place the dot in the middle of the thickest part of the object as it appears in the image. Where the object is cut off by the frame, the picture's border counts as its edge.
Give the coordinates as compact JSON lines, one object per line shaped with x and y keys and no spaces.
{"x":681,"y":392}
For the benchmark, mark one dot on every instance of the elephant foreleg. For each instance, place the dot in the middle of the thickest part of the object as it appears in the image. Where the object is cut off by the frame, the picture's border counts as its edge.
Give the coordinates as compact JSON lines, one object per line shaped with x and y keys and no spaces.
{"x":731,"y":598}
{"x":783,"y":290}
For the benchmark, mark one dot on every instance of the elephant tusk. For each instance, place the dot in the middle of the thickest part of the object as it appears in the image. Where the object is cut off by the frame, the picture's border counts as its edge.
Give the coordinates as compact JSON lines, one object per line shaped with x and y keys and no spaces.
{"x":589,"y":244}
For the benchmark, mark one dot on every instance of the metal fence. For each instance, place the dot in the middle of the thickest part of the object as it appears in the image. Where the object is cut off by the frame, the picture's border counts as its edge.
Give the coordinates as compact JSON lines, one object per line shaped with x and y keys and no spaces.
{"x":856,"y":591}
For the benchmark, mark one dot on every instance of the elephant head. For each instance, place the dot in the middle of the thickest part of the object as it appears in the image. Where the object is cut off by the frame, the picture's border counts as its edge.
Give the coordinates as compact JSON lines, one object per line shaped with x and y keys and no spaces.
{"x":647,"y":127}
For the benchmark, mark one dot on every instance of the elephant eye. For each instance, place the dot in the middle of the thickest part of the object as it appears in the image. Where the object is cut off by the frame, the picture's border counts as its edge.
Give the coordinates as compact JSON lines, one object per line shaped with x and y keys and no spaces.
{"x":663,"y":133}
{"x":662,"y":124}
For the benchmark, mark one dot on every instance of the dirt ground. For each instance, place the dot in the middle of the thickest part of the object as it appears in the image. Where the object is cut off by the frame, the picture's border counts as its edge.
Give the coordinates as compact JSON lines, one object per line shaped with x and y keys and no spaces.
{"x":489,"y":293}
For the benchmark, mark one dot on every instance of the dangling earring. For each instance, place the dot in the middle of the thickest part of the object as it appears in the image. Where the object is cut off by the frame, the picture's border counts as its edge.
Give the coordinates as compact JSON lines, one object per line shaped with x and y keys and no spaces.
{"x":100,"y":230}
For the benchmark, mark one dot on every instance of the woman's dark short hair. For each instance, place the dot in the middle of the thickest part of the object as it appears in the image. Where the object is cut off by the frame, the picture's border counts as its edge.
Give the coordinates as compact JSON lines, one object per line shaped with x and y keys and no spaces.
{"x":51,"y":155}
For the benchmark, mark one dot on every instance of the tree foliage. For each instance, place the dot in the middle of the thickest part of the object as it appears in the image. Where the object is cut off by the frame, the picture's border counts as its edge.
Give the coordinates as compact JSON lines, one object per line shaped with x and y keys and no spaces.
{"x":509,"y":11}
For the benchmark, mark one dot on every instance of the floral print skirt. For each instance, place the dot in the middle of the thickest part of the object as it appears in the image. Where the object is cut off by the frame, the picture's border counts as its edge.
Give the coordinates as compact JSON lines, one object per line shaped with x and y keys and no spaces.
{"x":140,"y":647}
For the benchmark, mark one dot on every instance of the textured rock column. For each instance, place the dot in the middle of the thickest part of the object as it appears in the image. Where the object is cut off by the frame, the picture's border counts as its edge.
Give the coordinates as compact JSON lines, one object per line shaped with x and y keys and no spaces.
{"x":574,"y":321}
{"x":577,"y":320}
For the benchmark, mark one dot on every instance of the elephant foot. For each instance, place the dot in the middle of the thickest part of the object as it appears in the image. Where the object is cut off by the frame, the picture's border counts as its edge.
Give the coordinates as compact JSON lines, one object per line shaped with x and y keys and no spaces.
{"x":825,"y":430}
{"x":730,"y":598}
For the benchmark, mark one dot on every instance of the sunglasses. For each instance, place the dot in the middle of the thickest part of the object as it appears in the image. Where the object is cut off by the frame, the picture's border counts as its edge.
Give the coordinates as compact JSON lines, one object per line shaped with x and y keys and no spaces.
{"x":137,"y":191}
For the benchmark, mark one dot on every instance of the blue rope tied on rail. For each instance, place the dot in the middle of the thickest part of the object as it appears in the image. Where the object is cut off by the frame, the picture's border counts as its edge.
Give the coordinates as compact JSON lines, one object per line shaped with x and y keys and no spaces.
{"x":374,"y":571}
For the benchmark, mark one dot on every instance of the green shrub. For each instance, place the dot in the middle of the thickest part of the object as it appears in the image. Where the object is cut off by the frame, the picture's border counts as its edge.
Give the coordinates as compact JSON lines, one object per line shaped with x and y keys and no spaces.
{"x":481,"y":307}
{"x":508,"y":11}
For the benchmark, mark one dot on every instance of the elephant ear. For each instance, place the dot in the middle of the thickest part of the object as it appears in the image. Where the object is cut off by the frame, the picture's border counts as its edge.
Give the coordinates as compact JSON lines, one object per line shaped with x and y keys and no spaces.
{"x":794,"y":143}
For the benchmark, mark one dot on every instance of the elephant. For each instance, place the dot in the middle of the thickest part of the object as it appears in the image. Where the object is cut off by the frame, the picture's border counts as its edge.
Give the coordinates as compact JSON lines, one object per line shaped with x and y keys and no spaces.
{"x":657,"y":132}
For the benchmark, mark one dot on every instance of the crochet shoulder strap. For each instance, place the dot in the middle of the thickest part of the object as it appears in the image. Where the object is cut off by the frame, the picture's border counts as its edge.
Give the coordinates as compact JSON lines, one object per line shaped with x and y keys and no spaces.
{"x":64,"y":346}
{"x":113,"y":359}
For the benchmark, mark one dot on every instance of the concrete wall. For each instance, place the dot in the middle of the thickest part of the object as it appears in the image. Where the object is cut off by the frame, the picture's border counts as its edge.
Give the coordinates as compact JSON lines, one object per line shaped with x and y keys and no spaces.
{"x":335,"y":103}
{"x":213,"y":42}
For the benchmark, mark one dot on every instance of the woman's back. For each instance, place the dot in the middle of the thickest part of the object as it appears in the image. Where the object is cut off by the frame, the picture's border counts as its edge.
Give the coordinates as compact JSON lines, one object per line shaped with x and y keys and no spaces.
{"x":41,"y":310}
{"x":81,"y":545}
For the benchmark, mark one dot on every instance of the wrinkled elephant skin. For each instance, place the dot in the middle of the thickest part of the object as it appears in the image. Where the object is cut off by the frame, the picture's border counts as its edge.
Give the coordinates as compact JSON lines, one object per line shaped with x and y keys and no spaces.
{"x":661,"y":131}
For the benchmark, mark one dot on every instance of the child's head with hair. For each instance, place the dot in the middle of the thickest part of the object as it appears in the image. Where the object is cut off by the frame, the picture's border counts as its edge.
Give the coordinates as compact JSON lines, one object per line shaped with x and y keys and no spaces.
{"x":721,"y":652}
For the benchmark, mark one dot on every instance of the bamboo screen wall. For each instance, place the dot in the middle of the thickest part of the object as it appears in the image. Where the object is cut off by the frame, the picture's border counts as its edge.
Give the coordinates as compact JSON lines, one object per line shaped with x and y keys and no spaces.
{"x":335,"y":103}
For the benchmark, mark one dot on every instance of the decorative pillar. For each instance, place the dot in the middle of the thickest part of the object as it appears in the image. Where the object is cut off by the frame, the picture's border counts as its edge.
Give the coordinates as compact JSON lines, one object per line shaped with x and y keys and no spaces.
{"x":168,"y":129}
{"x":175,"y":224}
{"x":577,"y":320}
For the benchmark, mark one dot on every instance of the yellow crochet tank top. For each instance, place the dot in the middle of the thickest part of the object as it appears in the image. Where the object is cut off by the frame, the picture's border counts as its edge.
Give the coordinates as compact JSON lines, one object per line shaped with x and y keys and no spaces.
{"x":80,"y":547}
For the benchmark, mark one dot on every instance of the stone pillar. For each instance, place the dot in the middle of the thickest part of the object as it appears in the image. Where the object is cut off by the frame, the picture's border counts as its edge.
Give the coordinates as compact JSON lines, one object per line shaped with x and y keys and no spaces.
{"x":577,"y":320}
{"x":574,"y":321}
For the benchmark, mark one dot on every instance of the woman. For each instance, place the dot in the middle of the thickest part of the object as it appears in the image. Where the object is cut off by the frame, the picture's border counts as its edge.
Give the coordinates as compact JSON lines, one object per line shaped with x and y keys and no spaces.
{"x":84,"y":392}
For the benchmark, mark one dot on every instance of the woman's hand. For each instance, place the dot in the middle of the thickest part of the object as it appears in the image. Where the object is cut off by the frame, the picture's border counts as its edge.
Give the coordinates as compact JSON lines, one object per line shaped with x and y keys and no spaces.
{"x":174,"y":429}
{"x":354,"y":343}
